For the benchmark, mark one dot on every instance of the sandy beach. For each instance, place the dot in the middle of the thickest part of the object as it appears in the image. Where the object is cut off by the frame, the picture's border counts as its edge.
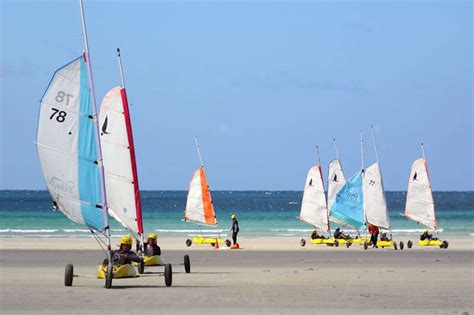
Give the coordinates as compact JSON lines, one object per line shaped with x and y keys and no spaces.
{"x":271,"y":275}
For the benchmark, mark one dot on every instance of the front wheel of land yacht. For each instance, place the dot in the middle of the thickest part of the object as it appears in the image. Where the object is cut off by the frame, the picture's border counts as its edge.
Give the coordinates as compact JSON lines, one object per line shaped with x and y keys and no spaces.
{"x":401,"y":245}
{"x":444,"y":245}
{"x":188,"y":242}
{"x":336,"y":243}
{"x":187,"y":264}
{"x":108,"y":276}
{"x":228,"y":243}
{"x":409,"y":244}
{"x":395,"y":246}
{"x":366,"y":245}
{"x":141,"y":267}
{"x":348,"y":244}
{"x":68,"y":275}
{"x":168,"y":275}
{"x":302,"y":242}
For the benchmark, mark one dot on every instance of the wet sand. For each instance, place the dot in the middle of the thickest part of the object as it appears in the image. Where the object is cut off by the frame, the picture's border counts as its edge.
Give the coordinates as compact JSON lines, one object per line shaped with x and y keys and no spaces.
{"x":274,"y":276}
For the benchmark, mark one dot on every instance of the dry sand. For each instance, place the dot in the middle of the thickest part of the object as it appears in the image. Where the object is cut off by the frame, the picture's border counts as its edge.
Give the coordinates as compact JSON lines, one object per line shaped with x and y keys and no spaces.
{"x":270,"y":275}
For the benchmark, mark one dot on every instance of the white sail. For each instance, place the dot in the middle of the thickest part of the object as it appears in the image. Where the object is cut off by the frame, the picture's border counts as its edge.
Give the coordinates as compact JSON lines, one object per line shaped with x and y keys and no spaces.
{"x":420,"y":203}
{"x":67,"y":147}
{"x":375,"y":205}
{"x":199,"y":206}
{"x":336,"y":181}
{"x":122,"y":190}
{"x":313,"y":207}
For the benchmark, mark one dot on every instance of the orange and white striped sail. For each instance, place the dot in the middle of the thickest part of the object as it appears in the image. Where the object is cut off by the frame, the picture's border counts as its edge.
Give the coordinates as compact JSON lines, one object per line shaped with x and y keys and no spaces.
{"x":199,"y":206}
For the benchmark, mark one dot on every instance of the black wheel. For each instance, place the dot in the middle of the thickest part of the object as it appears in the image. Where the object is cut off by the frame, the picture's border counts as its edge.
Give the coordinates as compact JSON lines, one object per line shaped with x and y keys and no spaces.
{"x":228,"y":243}
{"x":188,"y":242}
{"x":141,"y":267}
{"x":348,"y":244}
{"x":168,"y":275}
{"x":187,"y":264}
{"x":213,"y":244}
{"x":302,"y":242}
{"x":336,"y":243}
{"x":108,"y":276}
{"x":68,"y":275}
{"x":409,"y":244}
{"x":401,"y":245}
{"x":366,"y":245}
{"x":395,"y":245}
{"x":446,"y":244}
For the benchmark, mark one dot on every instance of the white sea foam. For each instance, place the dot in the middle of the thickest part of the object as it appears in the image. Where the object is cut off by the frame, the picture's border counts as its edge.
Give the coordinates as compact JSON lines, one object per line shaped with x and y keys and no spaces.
{"x":29,"y":230}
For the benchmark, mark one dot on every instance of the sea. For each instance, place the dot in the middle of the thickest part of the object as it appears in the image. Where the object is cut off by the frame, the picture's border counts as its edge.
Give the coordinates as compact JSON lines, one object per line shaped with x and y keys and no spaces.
{"x":29,"y":213}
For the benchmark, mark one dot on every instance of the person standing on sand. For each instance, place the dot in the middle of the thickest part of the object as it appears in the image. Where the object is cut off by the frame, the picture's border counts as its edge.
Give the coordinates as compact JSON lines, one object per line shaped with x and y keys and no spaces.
{"x":234,"y":228}
{"x":374,"y":234}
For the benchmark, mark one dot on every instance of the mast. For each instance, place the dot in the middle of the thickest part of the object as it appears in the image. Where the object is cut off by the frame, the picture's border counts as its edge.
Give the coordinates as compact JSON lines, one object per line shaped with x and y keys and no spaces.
{"x":97,"y":134}
{"x":319,"y":156}
{"x":199,"y":151}
{"x":361,"y":150}
{"x":423,"y":151}
{"x":128,"y":125}
{"x":380,"y":171}
{"x":335,"y":148}
{"x":121,"y":67}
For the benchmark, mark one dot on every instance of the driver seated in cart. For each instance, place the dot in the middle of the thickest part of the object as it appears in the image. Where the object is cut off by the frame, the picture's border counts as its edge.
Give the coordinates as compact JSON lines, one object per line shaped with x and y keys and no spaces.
{"x":124,"y":255}
{"x":151,"y":247}
{"x":338,"y":234}
{"x":384,"y":237}
{"x":427,"y":236}
{"x":315,"y":235}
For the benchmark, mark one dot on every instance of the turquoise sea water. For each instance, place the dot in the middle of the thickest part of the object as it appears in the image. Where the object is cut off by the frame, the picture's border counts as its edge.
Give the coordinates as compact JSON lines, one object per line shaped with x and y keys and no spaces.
{"x":260,"y":213}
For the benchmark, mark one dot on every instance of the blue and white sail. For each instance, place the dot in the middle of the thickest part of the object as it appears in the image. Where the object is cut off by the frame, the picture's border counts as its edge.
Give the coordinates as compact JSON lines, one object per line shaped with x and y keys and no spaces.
{"x":68,"y":148}
{"x":349,"y":204}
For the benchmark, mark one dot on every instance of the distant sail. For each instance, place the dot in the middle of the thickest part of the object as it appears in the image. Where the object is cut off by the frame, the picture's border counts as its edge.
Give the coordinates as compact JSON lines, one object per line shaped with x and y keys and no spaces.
{"x":121,"y":178}
{"x":67,"y":147}
{"x":375,"y":205}
{"x":420,"y":203}
{"x":348,"y":207}
{"x":199,"y":206}
{"x":313,"y":207}
{"x":336,"y":181}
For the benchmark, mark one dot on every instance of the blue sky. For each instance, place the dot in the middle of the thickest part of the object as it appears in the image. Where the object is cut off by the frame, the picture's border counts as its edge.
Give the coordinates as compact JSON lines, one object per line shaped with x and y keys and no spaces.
{"x":261,"y":83}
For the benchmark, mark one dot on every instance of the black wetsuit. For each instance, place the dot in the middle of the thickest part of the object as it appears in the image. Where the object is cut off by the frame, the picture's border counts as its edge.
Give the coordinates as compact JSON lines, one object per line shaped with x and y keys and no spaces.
{"x":235,"y":230}
{"x":152,"y":250}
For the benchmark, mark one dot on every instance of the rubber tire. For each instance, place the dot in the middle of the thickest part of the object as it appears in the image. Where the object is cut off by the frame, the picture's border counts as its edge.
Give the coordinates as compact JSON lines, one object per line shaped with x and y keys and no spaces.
{"x":187,"y":264}
{"x":446,"y":244}
{"x":402,"y":245}
{"x":409,"y":244}
{"x":395,"y":245}
{"x":302,"y":242}
{"x":168,"y":275}
{"x":348,"y":244}
{"x":68,"y":275}
{"x":366,"y":245}
{"x":141,"y":267}
{"x":189,"y":242}
{"x":336,"y":243}
{"x":228,"y":243}
{"x":109,"y":276}
{"x":213,"y":244}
